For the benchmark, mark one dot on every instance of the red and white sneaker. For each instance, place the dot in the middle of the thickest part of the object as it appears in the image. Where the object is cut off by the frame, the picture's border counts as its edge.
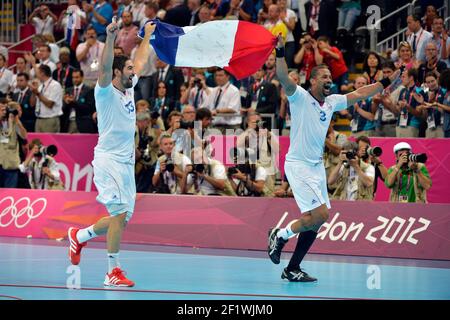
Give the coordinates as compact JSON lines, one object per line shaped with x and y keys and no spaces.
{"x":117,"y":279}
{"x":75,"y":247}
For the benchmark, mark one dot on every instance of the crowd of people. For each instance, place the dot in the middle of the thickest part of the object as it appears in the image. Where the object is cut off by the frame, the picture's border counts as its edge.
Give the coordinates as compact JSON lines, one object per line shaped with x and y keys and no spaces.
{"x":51,"y":90}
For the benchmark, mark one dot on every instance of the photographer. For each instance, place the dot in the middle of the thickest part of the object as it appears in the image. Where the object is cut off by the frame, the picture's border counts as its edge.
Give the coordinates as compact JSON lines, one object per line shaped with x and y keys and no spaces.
{"x":307,"y":57}
{"x":197,"y":90}
{"x":333,"y":147}
{"x":146,"y":151}
{"x":41,"y":168}
{"x":257,"y":137}
{"x":285,"y":190}
{"x":247,"y":179}
{"x":352,"y":177}
{"x":408,"y":179}
{"x":11,"y":131}
{"x":208,"y":176}
{"x":371,"y":155}
{"x":170,"y":168}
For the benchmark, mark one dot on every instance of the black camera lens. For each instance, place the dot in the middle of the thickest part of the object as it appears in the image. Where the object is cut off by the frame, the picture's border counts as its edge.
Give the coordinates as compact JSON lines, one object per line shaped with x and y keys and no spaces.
{"x":199,"y":168}
{"x":418,"y":157}
{"x":350,"y":155}
{"x":232,"y":170}
{"x":186,"y":125}
{"x":169,"y":165}
{"x":154,"y":115}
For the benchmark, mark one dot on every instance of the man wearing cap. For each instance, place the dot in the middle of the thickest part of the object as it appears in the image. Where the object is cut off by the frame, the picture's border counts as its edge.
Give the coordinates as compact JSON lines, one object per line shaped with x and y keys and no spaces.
{"x":408,"y":180}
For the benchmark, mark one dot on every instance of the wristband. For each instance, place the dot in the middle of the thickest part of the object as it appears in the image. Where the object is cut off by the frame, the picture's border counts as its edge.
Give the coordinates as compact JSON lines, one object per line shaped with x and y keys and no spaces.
{"x":386,"y":82}
{"x":279,"y":52}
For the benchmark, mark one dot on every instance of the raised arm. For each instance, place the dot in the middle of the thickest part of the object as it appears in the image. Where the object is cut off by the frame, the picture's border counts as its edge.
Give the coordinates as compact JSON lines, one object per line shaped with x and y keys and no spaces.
{"x":370,"y":90}
{"x":282,"y":69}
{"x":143,"y":52}
{"x":106,"y":72}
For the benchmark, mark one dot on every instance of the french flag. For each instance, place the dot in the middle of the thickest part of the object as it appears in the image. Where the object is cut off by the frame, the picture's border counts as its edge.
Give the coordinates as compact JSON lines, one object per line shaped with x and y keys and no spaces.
{"x":239,"y":47}
{"x":73,"y":24}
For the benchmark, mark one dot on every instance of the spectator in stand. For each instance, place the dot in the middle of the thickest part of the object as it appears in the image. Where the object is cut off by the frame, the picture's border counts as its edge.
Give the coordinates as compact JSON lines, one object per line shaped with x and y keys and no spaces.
{"x":27,"y":101}
{"x":43,"y":20}
{"x":411,"y":96}
{"x":307,"y":57}
{"x":143,"y":88}
{"x":432,"y":62}
{"x":224,"y":101}
{"x":54,"y":48}
{"x":263,"y":13}
{"x":274,"y":24}
{"x":63,"y":73}
{"x":10,"y":130}
{"x":89,"y":54}
{"x":289,"y":18}
{"x":271,"y":74}
{"x":427,"y":20}
{"x":178,"y":14}
{"x":204,"y":15}
{"x":151,"y":9}
{"x":441,"y":39}
{"x":118,"y":51}
{"x":349,"y":11}
{"x":372,"y":68}
{"x":126,"y":38}
{"x":197,"y":90}
{"x":430,"y":110}
{"x":6,"y":77}
{"x":320,"y":18}
{"x":212,"y":5}
{"x":78,"y":107}
{"x":334,"y":59}
{"x":21,"y":67}
{"x":4,"y":51}
{"x":262,"y":97}
{"x":444,"y":82}
{"x":171,"y":76}
{"x":235,"y":9}
{"x":409,"y":181}
{"x":99,"y":15}
{"x":194,"y":7}
{"x":361,"y":115}
{"x":49,"y":101}
{"x":43,"y":54}
{"x":64,"y":16}
{"x":162,"y":103}
{"x":405,"y":56}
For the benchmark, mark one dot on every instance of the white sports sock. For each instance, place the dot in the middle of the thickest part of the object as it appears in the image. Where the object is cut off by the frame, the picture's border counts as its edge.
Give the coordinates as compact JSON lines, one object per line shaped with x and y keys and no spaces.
{"x":287,"y":232}
{"x":113,"y":261}
{"x":86,"y":234}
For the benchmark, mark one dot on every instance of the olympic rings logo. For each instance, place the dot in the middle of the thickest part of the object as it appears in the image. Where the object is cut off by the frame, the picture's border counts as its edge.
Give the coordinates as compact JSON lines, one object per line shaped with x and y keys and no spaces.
{"x":21,"y":212}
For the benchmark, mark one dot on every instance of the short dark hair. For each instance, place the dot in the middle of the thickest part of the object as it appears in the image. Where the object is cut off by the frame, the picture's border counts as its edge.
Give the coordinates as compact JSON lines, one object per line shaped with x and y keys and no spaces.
{"x":4,"y":101}
{"x":444,"y":79}
{"x":203,"y":113}
{"x":119,"y":63}
{"x":366,"y":67}
{"x":324,"y":39}
{"x":388,"y":64}
{"x":79,"y":71}
{"x":24,"y":74}
{"x":431,"y":74}
{"x":46,"y":70}
{"x":438,"y":18}
{"x":416,"y":17}
{"x":363,"y":139}
{"x":47,"y":46}
{"x":220,"y":69}
{"x":413,"y":73}
{"x":316,"y":69}
{"x":153,"y":5}
{"x":91,"y":28}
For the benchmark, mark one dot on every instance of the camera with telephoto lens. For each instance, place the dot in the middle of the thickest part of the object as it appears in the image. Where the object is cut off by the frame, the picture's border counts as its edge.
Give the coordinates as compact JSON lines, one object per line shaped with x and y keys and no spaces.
{"x":186,"y":125}
{"x":418,"y":157}
{"x":170,"y":166}
{"x":198,"y":83}
{"x":12,"y":111}
{"x":50,"y":150}
{"x":350,"y":156}
{"x":243,"y":168}
{"x":372,"y":152}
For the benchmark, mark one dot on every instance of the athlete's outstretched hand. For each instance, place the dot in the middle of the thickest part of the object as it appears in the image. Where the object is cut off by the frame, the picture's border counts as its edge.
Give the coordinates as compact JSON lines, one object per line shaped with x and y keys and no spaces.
{"x":113,"y":27}
{"x":280,"y":43}
{"x":150,"y":28}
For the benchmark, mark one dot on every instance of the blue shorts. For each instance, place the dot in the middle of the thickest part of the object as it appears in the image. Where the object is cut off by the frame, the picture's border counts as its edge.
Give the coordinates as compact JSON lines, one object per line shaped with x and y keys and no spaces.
{"x":308,"y":183}
{"x":116,"y":186}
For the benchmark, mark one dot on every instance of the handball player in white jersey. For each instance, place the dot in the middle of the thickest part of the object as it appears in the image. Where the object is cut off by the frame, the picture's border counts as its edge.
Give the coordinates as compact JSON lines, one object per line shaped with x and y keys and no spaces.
{"x":114,"y":154}
{"x":311,"y":113}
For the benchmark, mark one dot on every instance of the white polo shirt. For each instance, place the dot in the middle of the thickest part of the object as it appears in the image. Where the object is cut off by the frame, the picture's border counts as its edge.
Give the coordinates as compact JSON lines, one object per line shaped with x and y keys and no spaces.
{"x":53,"y":91}
{"x":229,"y":98}
{"x":6,"y":79}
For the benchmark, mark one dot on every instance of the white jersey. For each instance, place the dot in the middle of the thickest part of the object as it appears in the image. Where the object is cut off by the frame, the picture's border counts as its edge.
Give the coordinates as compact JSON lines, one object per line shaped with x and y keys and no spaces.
{"x":309,"y":124}
{"x":116,"y":118}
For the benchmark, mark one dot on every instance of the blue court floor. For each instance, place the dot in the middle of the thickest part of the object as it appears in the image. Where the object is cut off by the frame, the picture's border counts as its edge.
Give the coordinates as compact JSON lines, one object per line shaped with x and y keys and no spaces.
{"x":38,"y":269}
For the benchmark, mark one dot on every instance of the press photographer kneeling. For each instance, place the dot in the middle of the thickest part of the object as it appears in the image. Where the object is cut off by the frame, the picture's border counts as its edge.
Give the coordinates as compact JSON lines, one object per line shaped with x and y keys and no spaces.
{"x":352,"y":177}
{"x":409,"y":179}
{"x":41,"y":167}
{"x":208,"y":176}
{"x":247,"y":178}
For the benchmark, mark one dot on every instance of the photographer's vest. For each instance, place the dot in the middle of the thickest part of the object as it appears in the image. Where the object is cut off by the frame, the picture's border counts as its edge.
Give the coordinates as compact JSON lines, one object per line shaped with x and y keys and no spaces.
{"x":177,"y":161}
{"x":421,"y":194}
{"x":329,"y":159}
{"x":48,"y":184}
{"x":9,"y":148}
{"x":364,"y":193}
{"x":241,"y":187}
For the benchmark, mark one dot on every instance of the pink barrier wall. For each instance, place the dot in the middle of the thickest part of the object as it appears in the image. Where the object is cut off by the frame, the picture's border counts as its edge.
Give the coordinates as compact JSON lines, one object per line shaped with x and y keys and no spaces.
{"x":354,"y":228}
{"x":76,"y":153}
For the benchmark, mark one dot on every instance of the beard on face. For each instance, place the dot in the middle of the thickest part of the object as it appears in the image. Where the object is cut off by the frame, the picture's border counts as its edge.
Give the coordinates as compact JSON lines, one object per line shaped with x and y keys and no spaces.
{"x":127,"y":82}
{"x":326,"y":88}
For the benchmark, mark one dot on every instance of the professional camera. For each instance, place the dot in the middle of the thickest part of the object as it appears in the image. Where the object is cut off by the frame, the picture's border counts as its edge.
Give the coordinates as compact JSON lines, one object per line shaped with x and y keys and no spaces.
{"x":418,"y":157}
{"x":372,"y":152}
{"x":170,"y":166}
{"x":260,"y":125}
{"x":50,"y":150}
{"x":244,"y":168}
{"x":198,"y":83}
{"x":351,"y":155}
{"x":146,"y":154}
{"x":12,"y":111}
{"x":186,"y":125}
{"x":198,"y":168}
